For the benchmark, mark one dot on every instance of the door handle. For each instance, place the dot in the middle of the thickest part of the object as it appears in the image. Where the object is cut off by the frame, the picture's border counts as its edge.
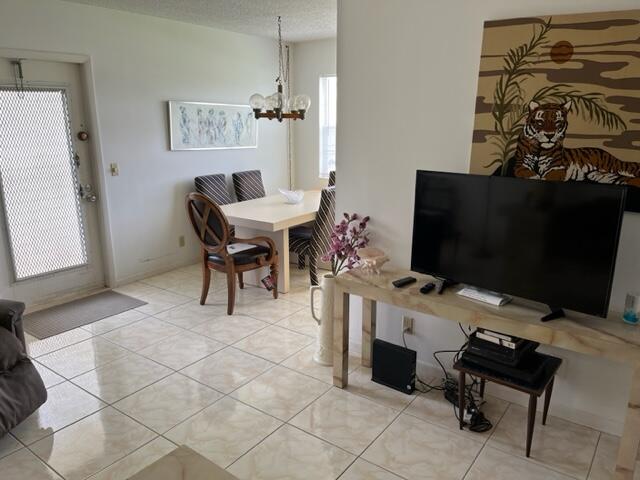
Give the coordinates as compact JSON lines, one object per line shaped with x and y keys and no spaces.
{"x":86,"y":193}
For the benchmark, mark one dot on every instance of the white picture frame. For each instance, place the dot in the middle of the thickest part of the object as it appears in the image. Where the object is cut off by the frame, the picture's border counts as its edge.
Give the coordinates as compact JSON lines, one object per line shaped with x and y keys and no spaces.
{"x":211,"y":126}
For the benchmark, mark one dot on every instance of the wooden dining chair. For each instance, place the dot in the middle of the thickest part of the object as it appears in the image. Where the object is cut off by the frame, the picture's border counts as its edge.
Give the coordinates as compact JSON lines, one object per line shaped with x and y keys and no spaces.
{"x":212,"y":228}
{"x":316,"y":243}
{"x":214,"y":186}
{"x":248,"y":185}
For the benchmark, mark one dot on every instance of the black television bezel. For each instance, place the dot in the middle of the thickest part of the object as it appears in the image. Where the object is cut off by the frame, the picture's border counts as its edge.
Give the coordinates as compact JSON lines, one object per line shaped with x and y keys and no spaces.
{"x":605,"y":311}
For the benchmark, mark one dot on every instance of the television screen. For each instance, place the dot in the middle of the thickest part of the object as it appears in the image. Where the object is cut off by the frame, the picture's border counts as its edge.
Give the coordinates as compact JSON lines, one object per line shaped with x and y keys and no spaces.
{"x":552,"y":242}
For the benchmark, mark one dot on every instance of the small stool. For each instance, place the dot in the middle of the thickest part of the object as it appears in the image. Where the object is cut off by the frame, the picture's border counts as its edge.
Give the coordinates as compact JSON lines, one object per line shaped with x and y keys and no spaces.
{"x":543,"y":385}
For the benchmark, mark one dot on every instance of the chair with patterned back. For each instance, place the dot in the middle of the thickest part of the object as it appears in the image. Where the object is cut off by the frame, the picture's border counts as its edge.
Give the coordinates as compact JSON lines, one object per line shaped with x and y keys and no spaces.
{"x":248,"y":185}
{"x":316,"y":244}
{"x":214,"y":186}
{"x":332,"y":178}
{"x":212,"y":228}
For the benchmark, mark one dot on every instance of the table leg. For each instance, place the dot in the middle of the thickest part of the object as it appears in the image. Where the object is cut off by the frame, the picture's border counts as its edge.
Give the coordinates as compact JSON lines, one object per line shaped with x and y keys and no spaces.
{"x":531,"y":421}
{"x":340,"y":338}
{"x":547,"y":399}
{"x":368,"y":330}
{"x":461,"y":392}
{"x":282,"y":242}
{"x":628,"y":449}
{"x":281,"y":239}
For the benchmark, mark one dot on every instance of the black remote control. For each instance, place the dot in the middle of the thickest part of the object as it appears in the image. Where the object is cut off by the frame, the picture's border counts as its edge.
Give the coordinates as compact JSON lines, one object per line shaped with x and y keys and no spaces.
{"x":427,"y":288}
{"x":403,"y":282}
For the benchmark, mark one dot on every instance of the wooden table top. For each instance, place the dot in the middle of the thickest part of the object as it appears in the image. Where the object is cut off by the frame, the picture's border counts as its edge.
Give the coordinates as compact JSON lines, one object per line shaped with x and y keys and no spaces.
{"x":271,"y":213}
{"x":601,"y":337}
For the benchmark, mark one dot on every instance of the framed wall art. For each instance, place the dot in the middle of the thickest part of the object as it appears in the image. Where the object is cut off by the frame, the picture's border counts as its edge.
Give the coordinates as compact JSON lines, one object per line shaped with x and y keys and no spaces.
{"x":211,"y":126}
{"x":559,"y":99}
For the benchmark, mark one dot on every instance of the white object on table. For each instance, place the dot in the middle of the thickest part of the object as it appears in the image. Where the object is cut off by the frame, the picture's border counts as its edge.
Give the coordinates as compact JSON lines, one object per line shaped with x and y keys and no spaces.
{"x":271,"y":217}
{"x":292,"y":197}
{"x":485,"y":296}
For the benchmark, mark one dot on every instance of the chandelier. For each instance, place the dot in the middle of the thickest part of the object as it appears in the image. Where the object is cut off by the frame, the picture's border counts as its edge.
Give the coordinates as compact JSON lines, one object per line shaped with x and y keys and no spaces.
{"x":280,"y":105}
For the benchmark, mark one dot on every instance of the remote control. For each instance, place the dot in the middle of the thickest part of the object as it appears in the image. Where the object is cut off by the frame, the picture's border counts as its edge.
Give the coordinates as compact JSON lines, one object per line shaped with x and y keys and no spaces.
{"x":403,"y":282}
{"x":427,"y":288}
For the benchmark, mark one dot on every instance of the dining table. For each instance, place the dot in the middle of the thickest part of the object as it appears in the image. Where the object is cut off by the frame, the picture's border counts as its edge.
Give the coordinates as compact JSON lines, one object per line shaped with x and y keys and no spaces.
{"x":272,"y":216}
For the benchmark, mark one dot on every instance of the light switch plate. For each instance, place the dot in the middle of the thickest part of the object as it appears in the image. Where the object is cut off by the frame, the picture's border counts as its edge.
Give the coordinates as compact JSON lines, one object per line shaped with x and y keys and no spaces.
{"x":115,"y":170}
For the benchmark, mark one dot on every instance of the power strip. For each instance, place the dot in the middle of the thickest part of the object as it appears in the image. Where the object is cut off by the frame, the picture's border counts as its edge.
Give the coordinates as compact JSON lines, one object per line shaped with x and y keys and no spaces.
{"x":451,"y":394}
{"x":474,"y":419}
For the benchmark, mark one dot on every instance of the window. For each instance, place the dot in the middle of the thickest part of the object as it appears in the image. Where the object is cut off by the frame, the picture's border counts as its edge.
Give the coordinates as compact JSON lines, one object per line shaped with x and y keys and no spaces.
{"x":327,"y":107}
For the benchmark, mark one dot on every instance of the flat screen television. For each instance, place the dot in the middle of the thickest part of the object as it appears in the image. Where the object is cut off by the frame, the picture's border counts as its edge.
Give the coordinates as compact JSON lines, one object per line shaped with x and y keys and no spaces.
{"x":551,"y":242}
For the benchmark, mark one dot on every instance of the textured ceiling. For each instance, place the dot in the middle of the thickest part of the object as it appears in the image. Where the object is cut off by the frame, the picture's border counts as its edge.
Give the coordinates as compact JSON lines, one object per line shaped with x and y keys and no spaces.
{"x":301,"y":19}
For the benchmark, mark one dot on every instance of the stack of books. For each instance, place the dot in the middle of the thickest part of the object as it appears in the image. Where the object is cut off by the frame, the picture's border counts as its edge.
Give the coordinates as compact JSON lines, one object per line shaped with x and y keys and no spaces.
{"x":501,"y":339}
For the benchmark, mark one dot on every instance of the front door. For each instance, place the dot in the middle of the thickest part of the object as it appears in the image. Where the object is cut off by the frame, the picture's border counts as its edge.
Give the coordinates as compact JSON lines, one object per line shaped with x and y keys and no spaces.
{"x":50,"y":240}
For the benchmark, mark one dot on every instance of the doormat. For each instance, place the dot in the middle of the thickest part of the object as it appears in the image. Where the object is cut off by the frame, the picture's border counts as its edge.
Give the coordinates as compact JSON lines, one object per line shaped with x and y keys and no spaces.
{"x":83,"y":311}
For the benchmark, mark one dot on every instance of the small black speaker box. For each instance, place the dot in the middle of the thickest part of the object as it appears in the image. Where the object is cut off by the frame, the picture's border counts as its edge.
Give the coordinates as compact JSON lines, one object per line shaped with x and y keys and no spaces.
{"x":394,"y":366}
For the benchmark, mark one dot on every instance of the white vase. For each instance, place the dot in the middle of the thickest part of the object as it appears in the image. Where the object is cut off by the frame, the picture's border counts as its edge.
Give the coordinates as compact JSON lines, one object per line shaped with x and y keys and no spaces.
{"x":324,"y":342}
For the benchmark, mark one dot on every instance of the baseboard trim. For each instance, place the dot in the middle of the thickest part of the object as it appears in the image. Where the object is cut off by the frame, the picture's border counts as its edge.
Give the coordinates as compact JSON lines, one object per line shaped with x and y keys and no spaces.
{"x":135,"y":277}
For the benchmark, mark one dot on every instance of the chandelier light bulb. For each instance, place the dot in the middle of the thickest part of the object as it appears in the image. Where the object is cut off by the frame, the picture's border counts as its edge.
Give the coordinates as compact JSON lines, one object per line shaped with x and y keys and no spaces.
{"x":303,"y":102}
{"x":279,"y":100}
{"x":270,"y":102}
{"x":293,"y":103}
{"x":256,"y":101}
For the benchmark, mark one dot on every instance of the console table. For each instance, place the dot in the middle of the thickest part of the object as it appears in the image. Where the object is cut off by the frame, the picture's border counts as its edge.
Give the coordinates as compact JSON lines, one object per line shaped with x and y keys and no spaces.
{"x":598,"y":337}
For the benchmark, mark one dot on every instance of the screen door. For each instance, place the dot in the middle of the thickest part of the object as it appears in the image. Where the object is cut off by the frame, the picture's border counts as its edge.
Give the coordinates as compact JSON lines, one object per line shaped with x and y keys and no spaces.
{"x":39,"y":182}
{"x":49,"y":219}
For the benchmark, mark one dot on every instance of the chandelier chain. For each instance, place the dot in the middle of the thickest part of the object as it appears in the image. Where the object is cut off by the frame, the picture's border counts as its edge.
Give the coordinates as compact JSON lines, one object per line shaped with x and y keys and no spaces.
{"x":283,"y":57}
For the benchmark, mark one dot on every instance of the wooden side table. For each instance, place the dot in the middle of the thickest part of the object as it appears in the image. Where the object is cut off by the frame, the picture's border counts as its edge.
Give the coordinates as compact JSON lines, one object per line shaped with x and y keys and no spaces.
{"x":534,"y":390}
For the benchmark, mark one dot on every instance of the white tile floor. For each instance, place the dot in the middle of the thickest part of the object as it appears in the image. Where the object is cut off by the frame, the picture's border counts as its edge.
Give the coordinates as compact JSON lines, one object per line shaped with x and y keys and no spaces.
{"x":244,"y":392}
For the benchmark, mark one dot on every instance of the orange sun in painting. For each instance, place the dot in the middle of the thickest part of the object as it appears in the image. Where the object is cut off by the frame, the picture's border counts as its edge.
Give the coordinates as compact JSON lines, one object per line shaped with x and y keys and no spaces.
{"x":561,"y":52}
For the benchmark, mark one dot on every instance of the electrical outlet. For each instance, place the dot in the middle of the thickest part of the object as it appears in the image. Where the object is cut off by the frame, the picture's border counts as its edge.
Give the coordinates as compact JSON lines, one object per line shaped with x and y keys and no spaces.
{"x":181,"y":240}
{"x":407,"y":324}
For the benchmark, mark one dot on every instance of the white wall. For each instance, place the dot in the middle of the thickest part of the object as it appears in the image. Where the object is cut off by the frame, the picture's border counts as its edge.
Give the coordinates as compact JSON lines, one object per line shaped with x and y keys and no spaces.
{"x":138,"y":63}
{"x":311,"y":60}
{"x":408,"y":77}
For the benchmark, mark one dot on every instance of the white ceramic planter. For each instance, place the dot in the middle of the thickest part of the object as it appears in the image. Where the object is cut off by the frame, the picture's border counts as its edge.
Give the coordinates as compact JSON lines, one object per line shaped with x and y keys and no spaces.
{"x":324,"y":342}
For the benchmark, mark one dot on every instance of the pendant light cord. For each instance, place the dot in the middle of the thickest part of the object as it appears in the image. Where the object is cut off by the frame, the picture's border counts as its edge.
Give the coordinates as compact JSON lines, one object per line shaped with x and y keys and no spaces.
{"x":283,"y":79}
{"x":283,"y":57}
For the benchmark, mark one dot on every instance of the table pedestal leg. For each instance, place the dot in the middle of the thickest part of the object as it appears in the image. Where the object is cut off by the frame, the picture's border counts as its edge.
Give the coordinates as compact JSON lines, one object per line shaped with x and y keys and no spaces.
{"x":281,"y":238}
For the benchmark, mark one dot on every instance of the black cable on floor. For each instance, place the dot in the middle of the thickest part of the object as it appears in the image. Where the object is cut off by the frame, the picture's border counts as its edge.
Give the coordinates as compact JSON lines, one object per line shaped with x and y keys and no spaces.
{"x":449,"y":385}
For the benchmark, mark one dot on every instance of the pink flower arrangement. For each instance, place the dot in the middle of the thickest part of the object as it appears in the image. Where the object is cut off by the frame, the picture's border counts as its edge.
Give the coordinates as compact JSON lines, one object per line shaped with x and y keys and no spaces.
{"x":347,"y":238}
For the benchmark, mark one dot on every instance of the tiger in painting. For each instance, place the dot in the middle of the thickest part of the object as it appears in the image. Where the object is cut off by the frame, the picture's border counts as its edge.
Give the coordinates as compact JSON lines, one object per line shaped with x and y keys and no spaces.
{"x":540,"y":153}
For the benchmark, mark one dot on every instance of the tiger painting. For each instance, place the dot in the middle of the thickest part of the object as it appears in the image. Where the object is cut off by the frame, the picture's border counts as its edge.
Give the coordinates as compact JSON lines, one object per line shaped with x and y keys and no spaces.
{"x":540,"y":153}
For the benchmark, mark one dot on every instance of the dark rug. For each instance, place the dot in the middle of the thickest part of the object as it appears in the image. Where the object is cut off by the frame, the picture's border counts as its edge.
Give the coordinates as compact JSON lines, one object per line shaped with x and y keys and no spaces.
{"x":83,"y":311}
